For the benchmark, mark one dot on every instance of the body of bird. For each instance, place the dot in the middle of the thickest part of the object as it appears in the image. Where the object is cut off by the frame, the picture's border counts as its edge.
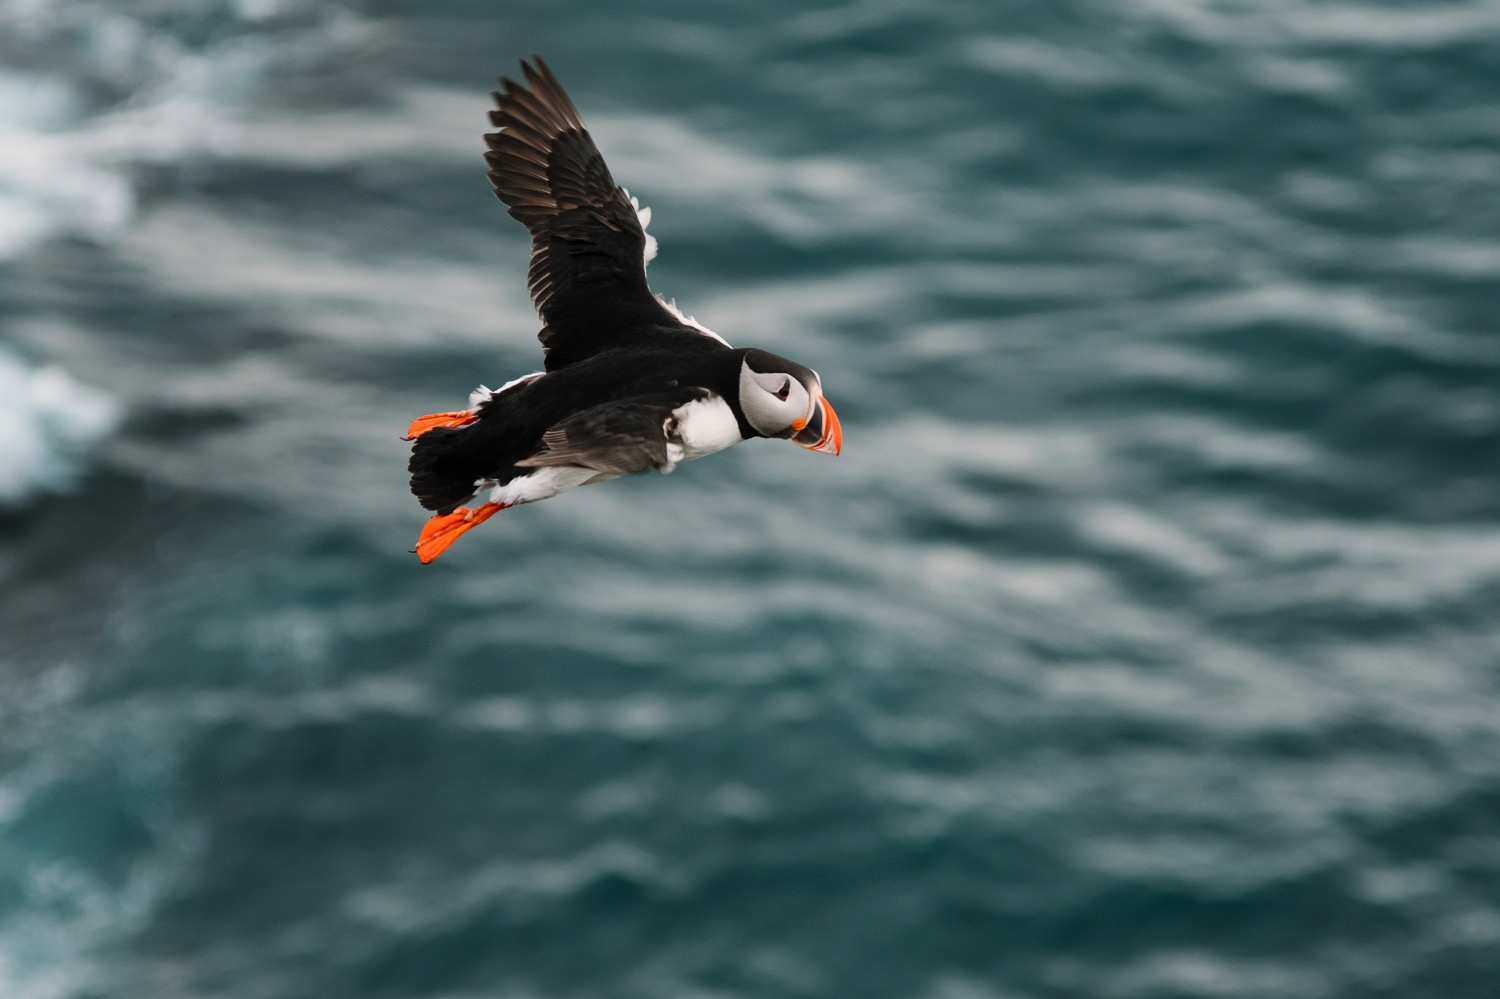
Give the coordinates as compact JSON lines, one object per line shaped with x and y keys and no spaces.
{"x":630,"y":384}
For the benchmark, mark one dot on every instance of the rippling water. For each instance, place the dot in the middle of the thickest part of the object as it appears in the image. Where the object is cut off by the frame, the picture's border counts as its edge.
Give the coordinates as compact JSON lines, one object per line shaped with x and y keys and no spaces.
{"x":1142,"y":643}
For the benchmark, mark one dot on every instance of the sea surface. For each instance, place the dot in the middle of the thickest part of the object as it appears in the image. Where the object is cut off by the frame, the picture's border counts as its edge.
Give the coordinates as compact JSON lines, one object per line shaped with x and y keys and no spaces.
{"x":1144,"y":642}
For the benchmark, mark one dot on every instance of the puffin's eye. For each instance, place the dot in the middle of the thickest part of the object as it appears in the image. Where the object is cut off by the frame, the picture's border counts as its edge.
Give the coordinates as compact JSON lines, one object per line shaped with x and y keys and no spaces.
{"x":784,"y":391}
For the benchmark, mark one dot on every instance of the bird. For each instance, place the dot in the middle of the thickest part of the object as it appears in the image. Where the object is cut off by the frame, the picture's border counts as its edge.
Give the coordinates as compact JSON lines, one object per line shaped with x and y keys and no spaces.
{"x":629,"y":382}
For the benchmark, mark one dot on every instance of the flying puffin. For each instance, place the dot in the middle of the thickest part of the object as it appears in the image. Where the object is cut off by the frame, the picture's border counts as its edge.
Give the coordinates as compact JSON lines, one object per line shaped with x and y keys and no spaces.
{"x":630,"y":383}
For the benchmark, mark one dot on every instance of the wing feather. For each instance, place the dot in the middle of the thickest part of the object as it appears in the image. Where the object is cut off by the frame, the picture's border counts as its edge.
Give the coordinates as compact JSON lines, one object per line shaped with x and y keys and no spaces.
{"x":625,"y":437}
{"x":587,"y":276}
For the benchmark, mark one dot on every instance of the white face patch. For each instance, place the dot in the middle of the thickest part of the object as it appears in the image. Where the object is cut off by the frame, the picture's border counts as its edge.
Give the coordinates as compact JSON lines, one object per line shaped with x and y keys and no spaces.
{"x":773,"y":400}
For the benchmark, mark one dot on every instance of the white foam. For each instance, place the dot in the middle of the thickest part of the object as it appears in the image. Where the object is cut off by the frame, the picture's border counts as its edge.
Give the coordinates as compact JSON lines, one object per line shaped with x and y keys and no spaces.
{"x":47,"y":182}
{"x":48,"y":422}
{"x":67,"y":165}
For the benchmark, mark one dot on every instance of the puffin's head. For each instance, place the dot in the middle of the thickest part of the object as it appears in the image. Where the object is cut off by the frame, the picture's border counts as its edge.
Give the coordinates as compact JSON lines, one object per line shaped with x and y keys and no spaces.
{"x":781,"y":398}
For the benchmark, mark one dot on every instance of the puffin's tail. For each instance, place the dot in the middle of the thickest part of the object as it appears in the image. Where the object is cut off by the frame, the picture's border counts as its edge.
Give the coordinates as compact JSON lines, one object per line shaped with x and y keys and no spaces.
{"x":440,"y":479}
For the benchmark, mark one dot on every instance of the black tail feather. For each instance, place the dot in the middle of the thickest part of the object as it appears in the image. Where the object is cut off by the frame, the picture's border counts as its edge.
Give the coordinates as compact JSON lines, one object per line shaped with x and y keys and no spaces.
{"x":441,"y":479}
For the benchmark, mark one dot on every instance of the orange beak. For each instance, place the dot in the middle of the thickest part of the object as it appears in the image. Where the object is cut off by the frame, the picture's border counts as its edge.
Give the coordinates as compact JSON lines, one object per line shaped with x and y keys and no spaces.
{"x":822,"y":432}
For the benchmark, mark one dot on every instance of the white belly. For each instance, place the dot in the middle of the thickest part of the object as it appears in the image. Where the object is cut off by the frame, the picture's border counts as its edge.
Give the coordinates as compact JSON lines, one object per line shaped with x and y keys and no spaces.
{"x":544,"y":483}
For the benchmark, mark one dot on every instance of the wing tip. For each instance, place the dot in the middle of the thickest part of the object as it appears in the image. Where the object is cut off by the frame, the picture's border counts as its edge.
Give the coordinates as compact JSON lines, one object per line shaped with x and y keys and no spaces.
{"x":529,"y":117}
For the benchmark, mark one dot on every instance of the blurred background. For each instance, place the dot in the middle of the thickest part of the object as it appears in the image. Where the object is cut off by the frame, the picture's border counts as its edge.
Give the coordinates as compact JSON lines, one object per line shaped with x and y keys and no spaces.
{"x":1142,"y":644}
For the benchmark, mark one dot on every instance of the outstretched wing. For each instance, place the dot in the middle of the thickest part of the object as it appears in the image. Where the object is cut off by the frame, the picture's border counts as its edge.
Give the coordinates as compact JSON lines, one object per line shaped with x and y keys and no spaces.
{"x":588,"y":246}
{"x":624,"y":437}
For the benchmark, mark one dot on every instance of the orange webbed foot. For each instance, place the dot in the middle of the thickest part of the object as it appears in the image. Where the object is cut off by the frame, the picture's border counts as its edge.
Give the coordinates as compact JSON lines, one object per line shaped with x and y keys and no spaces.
{"x":442,"y":530}
{"x":422,"y":424}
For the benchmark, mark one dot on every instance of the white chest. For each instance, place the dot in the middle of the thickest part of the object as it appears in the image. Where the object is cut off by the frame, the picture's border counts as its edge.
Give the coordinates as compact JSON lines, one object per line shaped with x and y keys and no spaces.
{"x":705,"y":426}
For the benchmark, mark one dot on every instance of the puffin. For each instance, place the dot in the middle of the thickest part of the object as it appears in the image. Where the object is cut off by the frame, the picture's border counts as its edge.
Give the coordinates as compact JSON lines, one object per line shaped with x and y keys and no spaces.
{"x":629,"y":382}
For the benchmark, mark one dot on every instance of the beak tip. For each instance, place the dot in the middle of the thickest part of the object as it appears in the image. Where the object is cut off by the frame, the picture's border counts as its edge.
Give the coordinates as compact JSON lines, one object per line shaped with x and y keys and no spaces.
{"x":830,"y":438}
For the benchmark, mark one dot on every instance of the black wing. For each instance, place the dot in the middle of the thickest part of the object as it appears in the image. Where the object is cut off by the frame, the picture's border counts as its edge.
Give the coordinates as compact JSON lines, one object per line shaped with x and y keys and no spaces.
{"x":588,"y":267}
{"x":624,"y":437}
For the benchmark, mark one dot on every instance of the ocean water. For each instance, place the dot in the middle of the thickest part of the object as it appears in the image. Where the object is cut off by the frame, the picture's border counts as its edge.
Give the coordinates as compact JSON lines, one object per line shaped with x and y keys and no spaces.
{"x":1142,"y":644}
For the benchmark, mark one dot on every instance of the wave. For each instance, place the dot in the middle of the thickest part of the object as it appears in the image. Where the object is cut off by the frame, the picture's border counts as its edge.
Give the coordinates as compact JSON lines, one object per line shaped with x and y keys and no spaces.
{"x":51,"y":421}
{"x":91,"y":90}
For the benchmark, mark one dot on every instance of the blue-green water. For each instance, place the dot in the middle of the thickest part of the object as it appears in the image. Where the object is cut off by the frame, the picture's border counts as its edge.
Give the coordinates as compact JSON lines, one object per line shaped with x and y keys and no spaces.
{"x":1142,"y":644}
